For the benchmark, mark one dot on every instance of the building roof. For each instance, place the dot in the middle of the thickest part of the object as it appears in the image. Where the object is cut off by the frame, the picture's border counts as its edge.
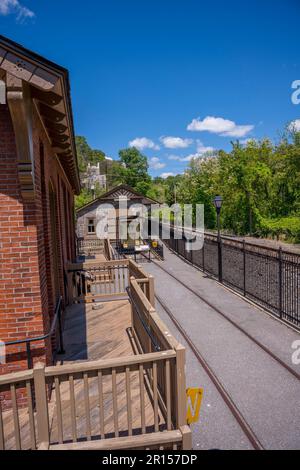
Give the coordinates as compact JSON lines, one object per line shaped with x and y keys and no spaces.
{"x":50,"y":90}
{"x":115,"y":193}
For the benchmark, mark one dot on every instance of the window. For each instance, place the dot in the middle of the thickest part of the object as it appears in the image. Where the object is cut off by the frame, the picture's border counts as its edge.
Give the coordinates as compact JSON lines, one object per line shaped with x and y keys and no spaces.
{"x":91,"y":226}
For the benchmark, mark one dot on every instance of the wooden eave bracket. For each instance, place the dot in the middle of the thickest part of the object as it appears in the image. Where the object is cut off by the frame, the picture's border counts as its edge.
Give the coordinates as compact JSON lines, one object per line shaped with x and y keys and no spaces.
{"x":19,"y":102}
{"x":25,"y":70}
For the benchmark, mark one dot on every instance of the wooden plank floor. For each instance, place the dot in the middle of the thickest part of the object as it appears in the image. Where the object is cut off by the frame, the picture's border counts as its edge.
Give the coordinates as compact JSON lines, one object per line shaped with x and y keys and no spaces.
{"x":97,"y":331}
{"x":93,"y":332}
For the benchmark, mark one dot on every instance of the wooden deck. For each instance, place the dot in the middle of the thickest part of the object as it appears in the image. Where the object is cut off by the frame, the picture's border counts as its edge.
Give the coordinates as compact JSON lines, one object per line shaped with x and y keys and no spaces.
{"x":92,"y":332}
{"x":97,"y":331}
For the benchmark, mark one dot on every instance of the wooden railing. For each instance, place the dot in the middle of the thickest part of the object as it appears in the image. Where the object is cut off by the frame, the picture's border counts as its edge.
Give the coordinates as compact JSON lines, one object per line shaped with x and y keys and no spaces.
{"x":136,"y":402}
{"x":88,"y":247}
{"x":90,"y":280}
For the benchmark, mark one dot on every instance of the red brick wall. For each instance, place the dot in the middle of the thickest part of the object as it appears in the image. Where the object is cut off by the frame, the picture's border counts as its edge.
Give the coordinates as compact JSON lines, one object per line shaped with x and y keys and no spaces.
{"x":27,"y":298}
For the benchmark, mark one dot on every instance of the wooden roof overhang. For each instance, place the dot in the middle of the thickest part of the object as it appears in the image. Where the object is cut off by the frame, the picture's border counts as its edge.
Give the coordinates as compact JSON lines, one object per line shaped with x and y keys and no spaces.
{"x":29,"y":79}
{"x":113,"y":196}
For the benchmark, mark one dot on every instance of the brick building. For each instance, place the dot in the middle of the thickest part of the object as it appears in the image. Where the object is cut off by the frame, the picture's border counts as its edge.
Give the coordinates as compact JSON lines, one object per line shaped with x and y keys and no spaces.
{"x":38,"y":179}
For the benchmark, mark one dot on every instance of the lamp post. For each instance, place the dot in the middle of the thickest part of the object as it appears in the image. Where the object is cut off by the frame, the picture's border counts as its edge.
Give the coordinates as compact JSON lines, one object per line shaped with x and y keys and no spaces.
{"x":218,"y":201}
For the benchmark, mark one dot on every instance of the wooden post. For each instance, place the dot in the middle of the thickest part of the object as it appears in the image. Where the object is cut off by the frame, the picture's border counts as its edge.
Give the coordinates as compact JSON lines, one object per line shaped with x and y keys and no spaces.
{"x":131,"y":278}
{"x":151,"y":291}
{"x":42,"y":414}
{"x":180,"y":387}
{"x":186,"y":438}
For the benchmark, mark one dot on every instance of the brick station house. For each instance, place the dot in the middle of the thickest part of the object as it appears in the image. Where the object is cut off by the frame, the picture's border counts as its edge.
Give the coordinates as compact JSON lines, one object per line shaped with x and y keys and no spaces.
{"x":38,"y":180}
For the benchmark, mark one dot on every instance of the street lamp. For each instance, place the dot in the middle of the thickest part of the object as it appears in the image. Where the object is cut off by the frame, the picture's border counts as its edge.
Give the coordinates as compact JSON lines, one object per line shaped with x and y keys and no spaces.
{"x":218,"y":205}
{"x":218,"y":201}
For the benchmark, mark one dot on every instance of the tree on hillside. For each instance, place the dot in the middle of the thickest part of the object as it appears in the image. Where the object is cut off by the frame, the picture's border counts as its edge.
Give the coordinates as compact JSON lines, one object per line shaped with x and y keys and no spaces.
{"x":86,"y":154}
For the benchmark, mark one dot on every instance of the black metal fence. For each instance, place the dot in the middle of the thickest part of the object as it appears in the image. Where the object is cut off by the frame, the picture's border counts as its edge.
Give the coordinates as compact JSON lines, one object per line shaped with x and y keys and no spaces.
{"x":269,"y":277}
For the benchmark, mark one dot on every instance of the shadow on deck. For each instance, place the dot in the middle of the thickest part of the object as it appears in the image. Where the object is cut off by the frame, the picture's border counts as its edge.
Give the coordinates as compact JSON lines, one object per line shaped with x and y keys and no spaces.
{"x":98,"y":330}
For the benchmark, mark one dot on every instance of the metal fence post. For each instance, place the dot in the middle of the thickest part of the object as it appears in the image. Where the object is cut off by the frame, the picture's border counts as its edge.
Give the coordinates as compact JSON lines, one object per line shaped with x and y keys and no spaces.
{"x":42,"y":413}
{"x":220,"y":259}
{"x":29,"y":356}
{"x":244,"y":267}
{"x":280,"y":281}
{"x":203,"y":255}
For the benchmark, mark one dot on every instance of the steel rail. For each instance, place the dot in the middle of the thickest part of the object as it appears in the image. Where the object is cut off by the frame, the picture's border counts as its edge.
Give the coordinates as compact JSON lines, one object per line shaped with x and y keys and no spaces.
{"x":236,"y":325}
{"x":248,"y":431}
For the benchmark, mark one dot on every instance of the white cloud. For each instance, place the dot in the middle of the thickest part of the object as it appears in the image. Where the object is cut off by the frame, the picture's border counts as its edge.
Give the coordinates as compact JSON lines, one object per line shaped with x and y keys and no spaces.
{"x":223,"y":127}
{"x":202,"y":150}
{"x":8,"y":7}
{"x":166,"y":175}
{"x":156,"y":164}
{"x":294,"y":126}
{"x":143,"y":143}
{"x":175,"y":142}
{"x":175,"y":158}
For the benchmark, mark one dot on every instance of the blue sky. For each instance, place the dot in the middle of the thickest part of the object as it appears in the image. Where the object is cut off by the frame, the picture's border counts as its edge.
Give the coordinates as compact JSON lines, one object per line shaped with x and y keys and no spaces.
{"x":175,"y":77}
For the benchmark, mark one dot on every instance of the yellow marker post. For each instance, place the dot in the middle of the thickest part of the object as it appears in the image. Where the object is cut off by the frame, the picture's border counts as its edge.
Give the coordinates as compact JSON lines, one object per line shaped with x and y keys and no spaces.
{"x":194,"y":399}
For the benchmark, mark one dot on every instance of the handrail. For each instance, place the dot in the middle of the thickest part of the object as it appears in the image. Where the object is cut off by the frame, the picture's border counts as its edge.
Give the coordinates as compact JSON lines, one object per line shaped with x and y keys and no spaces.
{"x":90,"y":367}
{"x":28,"y":341}
{"x":146,"y":327}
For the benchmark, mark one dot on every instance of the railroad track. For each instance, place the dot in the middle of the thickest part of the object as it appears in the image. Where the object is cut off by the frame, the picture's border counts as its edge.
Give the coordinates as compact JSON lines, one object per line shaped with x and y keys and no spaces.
{"x":236,"y":325}
{"x":227,"y":398}
{"x":245,"y":426}
{"x":241,"y":420}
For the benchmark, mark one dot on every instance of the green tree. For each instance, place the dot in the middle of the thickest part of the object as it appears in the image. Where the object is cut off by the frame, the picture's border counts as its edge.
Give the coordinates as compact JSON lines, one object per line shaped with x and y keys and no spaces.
{"x":87,"y":155}
{"x":134,"y":170}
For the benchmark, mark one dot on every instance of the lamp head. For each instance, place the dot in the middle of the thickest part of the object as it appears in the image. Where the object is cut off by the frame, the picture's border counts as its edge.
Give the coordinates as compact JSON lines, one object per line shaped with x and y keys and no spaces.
{"x":218,"y":201}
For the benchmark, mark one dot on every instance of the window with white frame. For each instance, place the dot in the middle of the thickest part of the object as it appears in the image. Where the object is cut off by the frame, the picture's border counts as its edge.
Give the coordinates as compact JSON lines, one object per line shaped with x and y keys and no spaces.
{"x":91,"y":226}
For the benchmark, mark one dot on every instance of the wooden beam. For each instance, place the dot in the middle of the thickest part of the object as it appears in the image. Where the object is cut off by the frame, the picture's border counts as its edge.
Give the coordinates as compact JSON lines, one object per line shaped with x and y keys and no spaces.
{"x":48,"y":97}
{"x":2,"y":92}
{"x":19,"y":102}
{"x":51,"y":114}
{"x":130,"y":442}
{"x":53,"y":127}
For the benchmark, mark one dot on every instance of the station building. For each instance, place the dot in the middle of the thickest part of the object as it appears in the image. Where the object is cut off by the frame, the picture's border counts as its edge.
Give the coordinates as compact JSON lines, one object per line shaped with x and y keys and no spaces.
{"x":38,"y":180}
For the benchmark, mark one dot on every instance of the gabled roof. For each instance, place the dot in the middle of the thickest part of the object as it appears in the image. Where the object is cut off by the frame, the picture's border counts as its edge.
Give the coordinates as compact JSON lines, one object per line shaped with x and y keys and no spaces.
{"x":50,"y":89}
{"x":115,"y":193}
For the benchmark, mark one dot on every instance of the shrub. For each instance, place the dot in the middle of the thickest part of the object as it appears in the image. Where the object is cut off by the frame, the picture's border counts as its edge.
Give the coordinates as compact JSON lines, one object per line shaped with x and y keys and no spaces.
{"x":287,"y":227}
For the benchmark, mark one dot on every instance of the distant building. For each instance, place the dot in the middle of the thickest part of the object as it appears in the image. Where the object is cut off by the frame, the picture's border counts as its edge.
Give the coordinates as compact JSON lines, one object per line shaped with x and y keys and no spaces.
{"x":99,"y":174}
{"x":93,"y":176}
{"x":91,"y":214}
